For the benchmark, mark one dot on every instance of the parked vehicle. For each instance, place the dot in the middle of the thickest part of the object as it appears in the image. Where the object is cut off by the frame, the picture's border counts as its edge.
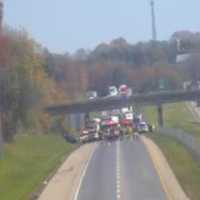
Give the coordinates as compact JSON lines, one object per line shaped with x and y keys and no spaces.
{"x":143,"y":127}
{"x":84,"y":136}
{"x":70,"y":138}
{"x":90,"y":132}
{"x":110,"y":129}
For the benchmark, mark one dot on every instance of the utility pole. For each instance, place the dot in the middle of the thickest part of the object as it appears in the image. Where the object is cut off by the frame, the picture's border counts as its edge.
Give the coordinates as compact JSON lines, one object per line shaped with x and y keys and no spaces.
{"x":154,"y":38}
{"x":1,"y":100}
{"x":1,"y":15}
{"x":153,"y":17}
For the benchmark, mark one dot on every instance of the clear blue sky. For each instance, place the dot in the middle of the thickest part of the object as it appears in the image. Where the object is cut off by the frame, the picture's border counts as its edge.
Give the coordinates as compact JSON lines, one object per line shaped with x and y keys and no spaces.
{"x":66,"y":25}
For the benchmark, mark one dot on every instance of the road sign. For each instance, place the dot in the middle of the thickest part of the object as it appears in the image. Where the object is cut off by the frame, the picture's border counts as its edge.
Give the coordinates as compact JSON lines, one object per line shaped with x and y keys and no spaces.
{"x":162,"y":84}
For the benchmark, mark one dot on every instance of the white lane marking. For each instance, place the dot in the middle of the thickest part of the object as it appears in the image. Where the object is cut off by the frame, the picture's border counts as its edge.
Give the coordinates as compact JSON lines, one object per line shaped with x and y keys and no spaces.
{"x":118,"y":172}
{"x":83,"y":173}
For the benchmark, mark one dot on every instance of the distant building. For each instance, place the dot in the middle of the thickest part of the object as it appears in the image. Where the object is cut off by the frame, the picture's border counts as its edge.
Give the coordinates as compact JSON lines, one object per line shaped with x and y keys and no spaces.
{"x":182,"y":57}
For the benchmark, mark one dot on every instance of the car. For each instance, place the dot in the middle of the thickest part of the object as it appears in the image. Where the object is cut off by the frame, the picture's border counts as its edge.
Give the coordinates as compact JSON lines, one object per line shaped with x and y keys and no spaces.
{"x":143,"y":127}
{"x":70,"y":138}
{"x":92,"y":95}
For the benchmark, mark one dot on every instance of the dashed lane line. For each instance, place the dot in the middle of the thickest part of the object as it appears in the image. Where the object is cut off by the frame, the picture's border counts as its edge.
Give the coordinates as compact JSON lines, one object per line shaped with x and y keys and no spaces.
{"x":118,"y":171}
{"x":84,"y":170}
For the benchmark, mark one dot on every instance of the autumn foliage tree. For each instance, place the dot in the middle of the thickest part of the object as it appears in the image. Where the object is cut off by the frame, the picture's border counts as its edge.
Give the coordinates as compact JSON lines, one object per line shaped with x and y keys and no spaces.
{"x":25,"y":86}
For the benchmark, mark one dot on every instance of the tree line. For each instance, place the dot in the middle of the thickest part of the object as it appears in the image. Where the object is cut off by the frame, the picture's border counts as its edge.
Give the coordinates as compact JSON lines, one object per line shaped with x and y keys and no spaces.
{"x":142,"y":65}
{"x":31,"y":77}
{"x":25,"y":87}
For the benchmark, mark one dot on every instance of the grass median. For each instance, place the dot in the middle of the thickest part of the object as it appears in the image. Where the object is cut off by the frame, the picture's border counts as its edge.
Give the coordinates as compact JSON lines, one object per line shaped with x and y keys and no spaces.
{"x":186,"y":169}
{"x":175,"y":116}
{"x":27,"y":162}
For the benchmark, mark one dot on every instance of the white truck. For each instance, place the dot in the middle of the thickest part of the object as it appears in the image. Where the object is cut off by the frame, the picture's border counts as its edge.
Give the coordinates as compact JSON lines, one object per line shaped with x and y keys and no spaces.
{"x":90,"y":132}
{"x":112,"y":91}
{"x":92,"y":95}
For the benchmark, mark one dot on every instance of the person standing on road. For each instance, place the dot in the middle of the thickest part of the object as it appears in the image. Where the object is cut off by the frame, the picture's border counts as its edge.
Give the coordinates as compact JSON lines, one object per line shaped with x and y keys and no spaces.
{"x":130,"y":131}
{"x":135,"y":135}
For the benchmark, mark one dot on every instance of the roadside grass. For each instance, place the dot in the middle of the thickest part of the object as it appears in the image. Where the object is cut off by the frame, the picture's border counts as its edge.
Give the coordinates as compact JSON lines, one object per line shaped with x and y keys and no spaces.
{"x":186,"y":169}
{"x":27,"y":162}
{"x":175,"y":116}
{"x":184,"y":166}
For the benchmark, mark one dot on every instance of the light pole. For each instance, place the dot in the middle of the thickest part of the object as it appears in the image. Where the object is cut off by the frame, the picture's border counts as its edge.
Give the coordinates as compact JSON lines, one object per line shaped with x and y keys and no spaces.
{"x":153,"y":18}
{"x":1,"y":15}
{"x":1,"y":106}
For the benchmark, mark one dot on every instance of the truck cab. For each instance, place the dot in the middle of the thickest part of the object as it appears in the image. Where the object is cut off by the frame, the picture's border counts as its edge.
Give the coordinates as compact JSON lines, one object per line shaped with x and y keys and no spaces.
{"x":90,"y":132}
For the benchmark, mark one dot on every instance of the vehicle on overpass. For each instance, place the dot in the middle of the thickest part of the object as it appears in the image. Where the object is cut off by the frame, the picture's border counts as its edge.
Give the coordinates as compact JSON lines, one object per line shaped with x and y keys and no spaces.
{"x":91,"y":95}
{"x":123,"y":90}
{"x":113,"y":91}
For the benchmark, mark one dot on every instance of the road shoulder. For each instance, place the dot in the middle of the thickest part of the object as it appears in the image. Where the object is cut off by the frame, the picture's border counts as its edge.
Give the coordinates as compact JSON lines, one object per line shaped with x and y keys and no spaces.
{"x":63,"y":185}
{"x":168,"y":180}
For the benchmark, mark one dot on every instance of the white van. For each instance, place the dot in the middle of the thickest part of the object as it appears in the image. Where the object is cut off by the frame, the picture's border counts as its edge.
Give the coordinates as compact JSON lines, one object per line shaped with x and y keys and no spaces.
{"x":143,"y":127}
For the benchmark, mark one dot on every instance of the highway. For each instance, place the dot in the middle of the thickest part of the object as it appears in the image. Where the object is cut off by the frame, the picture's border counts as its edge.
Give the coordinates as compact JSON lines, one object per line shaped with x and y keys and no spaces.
{"x":121,"y":170}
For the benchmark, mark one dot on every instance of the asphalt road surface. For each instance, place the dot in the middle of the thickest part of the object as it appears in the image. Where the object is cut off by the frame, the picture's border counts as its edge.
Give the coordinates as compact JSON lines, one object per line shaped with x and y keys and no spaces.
{"x":121,"y":170}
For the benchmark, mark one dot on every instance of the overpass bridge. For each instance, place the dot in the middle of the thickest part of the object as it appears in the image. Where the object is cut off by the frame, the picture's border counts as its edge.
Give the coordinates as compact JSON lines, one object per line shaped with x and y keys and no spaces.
{"x":110,"y":103}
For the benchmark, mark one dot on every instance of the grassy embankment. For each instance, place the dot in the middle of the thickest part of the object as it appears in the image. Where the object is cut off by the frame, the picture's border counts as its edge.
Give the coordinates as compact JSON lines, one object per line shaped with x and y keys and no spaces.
{"x":186,"y":169}
{"x":176,"y":116}
{"x":27,"y":162}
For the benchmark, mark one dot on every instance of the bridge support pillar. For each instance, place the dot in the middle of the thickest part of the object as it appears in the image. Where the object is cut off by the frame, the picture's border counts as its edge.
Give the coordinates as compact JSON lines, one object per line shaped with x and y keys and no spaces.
{"x":198,"y":103}
{"x":87,"y":118}
{"x":160,"y":115}
{"x":75,"y":121}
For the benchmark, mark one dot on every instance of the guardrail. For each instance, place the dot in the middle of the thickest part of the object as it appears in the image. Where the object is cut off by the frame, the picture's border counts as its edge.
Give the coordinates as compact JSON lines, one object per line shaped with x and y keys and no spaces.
{"x":189,"y":141}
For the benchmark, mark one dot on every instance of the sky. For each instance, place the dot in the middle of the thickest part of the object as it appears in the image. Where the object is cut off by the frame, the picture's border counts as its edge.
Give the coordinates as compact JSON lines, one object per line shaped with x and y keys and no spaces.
{"x":67,"y":25}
